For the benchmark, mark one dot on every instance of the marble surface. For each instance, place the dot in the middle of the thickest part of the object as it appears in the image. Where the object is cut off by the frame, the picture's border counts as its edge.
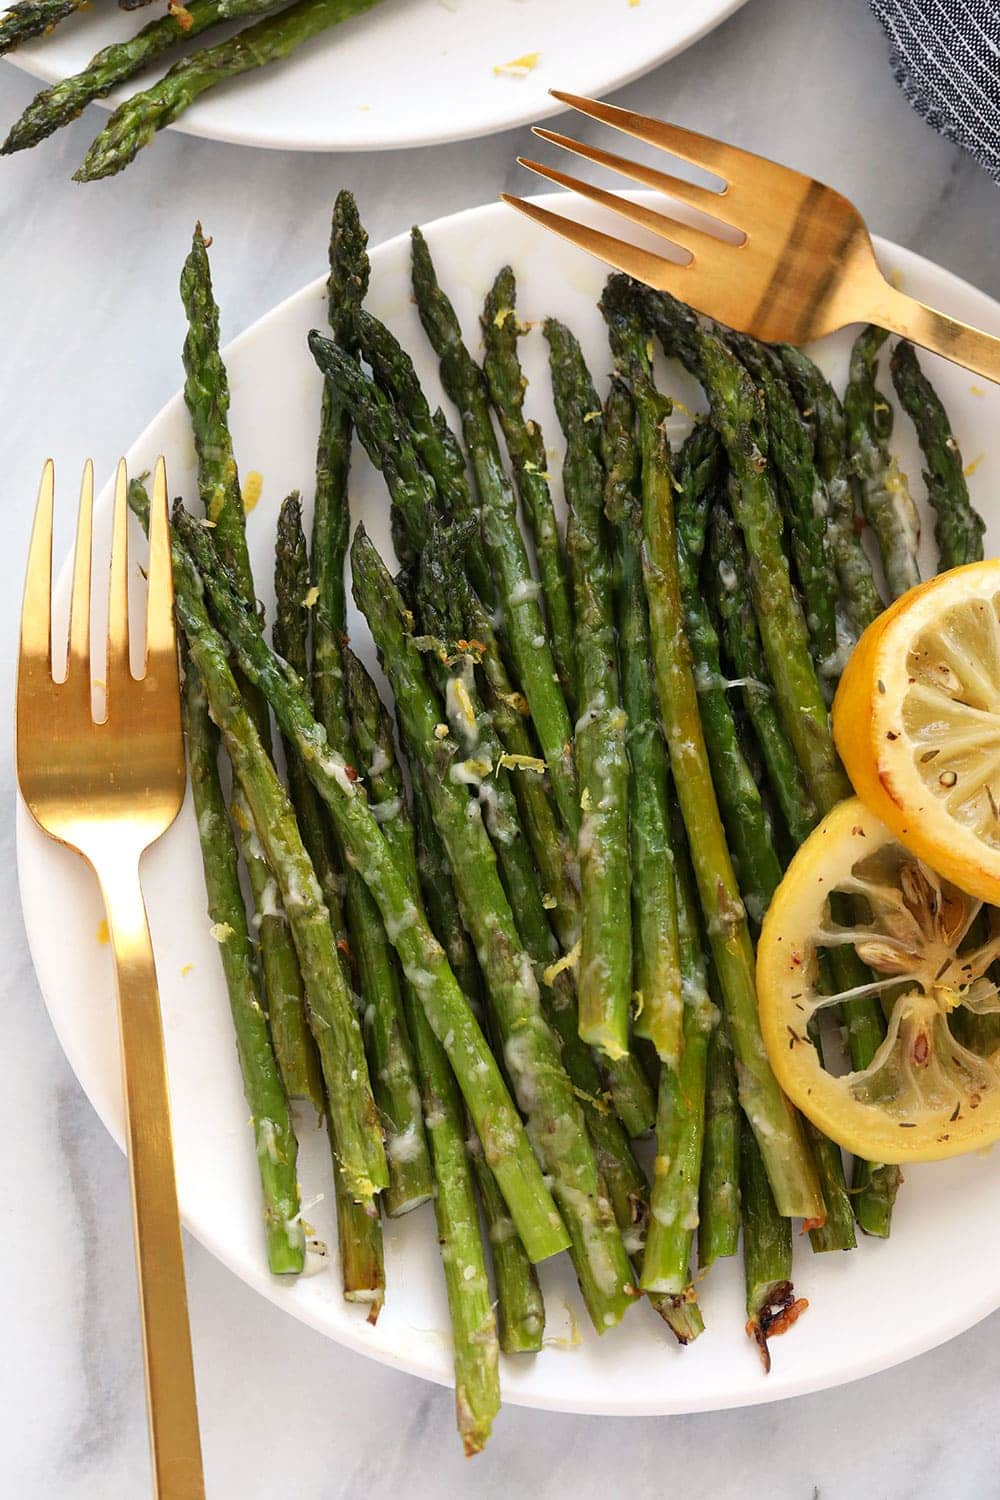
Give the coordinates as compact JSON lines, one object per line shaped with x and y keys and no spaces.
{"x":91,"y":331}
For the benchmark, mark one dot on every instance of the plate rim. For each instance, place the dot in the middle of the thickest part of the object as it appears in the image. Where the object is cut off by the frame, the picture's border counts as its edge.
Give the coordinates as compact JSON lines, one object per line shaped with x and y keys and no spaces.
{"x":26,"y":62}
{"x":352,"y":1335}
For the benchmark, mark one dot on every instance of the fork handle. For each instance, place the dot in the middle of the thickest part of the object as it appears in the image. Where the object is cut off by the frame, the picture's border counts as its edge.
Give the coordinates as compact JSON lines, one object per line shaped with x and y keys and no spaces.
{"x":170,"y":1392}
{"x":977,"y":351}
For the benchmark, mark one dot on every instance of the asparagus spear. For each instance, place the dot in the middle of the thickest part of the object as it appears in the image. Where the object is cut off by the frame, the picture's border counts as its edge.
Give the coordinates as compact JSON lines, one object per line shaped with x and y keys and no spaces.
{"x":526,"y":447}
{"x":390,"y":1057}
{"x":604,"y":975}
{"x":28,"y":18}
{"x":136,"y":121}
{"x":874,"y":1187}
{"x":359,"y":1231}
{"x":736,"y":414}
{"x":719,"y":1187}
{"x":63,"y":101}
{"x":680,"y":1122}
{"x":740,"y":802}
{"x":958,"y":527}
{"x":522,"y":1311}
{"x":543,"y":1088}
{"x":346,"y":285}
{"x":802,"y":496}
{"x":386,"y":439}
{"x":789,"y":1165}
{"x":621,"y":1174}
{"x":823,"y":413}
{"x":517,"y":591}
{"x":728,"y":578}
{"x":555,"y":858}
{"x":519,"y":1296}
{"x":270,"y":1117}
{"x":389,"y":1045}
{"x":657,"y":976}
{"x":424,"y":964}
{"x":206,"y":392}
{"x":335,"y":1024}
{"x":881,"y":487}
{"x":473,"y":1323}
{"x":393,"y":370}
{"x":772,"y":1307}
{"x":626,"y":1081}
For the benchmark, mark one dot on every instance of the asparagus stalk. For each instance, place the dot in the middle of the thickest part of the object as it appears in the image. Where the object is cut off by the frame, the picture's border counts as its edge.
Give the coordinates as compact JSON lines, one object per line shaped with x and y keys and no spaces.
{"x":958,"y":527}
{"x":347,"y":285}
{"x":772,"y":1307}
{"x":736,"y":414}
{"x":519,"y":1296}
{"x":740,"y":802}
{"x":386,"y":439}
{"x":680,"y":1121}
{"x":728,"y":578}
{"x":881,"y":487}
{"x":332,"y":1015}
{"x":359,"y":1230}
{"x":657,"y":975}
{"x":824,"y":415}
{"x":359,"y":1241}
{"x":270,"y":1117}
{"x":136,"y":121}
{"x":626,"y":1081}
{"x":526,"y":447}
{"x":790,"y":1167}
{"x":604,"y":983}
{"x":63,"y":101}
{"x":206,"y":393}
{"x":622,"y":1177}
{"x":424,"y":963}
{"x":437,"y":450}
{"x":473,"y":1323}
{"x":28,"y":18}
{"x":283,"y":987}
{"x":517,"y":591}
{"x":389,"y":1045}
{"x":531,"y":1053}
{"x":874,"y":1187}
{"x":390,"y":1056}
{"x":802,"y":496}
{"x":719,"y":1187}
{"x":555,"y":858}
{"x":522,"y":1312}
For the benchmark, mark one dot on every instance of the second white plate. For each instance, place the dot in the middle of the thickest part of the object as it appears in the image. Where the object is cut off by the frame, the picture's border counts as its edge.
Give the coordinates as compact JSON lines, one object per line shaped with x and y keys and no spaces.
{"x":411,"y":72}
{"x":869,"y":1309}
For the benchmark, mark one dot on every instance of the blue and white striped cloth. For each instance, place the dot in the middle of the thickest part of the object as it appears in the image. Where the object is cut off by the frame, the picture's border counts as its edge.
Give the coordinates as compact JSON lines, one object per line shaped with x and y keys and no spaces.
{"x":945,"y":55}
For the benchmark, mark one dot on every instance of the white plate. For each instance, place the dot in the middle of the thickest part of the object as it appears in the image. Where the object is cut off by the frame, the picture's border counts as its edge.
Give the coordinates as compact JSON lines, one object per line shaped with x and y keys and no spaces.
{"x":939,"y":1272}
{"x":411,"y":72}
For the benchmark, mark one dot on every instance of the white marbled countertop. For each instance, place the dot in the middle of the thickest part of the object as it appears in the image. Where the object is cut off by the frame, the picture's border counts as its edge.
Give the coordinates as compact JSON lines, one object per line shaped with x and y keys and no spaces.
{"x":91,"y":332}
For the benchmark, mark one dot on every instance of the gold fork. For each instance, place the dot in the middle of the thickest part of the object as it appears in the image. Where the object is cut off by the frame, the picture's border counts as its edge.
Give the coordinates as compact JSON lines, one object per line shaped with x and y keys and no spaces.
{"x":801,"y":263}
{"x":109,"y":789}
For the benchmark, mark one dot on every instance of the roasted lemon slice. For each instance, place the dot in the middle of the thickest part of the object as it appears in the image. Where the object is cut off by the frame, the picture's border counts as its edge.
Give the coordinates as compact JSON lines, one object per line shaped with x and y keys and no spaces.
{"x":917,"y":723}
{"x":933,"y":1087}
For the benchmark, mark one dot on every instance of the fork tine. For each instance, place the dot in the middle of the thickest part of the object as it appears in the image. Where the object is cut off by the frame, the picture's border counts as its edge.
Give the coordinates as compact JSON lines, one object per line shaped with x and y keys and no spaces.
{"x":654,"y":270}
{"x":684,"y":236}
{"x":118,"y":633}
{"x":36,"y":610}
{"x":160,"y":639}
{"x":700,"y":150}
{"x":78,"y":658}
{"x":705,"y":200}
